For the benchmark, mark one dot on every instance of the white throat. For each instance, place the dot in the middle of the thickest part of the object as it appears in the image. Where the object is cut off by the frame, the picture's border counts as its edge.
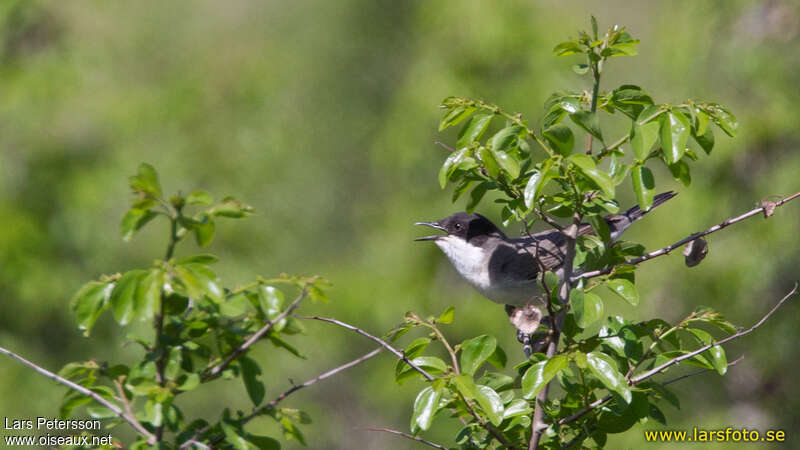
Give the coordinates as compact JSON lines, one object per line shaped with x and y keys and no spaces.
{"x":469,"y":260}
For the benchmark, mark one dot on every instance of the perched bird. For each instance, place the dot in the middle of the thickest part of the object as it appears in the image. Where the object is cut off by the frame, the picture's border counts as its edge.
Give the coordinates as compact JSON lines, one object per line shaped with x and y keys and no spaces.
{"x":505,"y":270}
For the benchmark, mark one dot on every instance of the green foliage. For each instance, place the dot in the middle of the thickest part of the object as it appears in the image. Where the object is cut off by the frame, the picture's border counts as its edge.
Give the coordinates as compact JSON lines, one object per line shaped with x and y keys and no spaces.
{"x":540,"y":174}
{"x":199,"y":328}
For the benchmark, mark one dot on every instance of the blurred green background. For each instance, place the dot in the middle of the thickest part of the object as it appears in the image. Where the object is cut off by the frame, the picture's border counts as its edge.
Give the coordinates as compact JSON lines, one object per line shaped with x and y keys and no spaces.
{"x":323,"y":116}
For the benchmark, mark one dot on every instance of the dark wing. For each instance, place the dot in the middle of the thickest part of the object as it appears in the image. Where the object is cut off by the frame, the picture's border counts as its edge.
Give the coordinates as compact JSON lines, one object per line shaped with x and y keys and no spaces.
{"x":548,"y":247}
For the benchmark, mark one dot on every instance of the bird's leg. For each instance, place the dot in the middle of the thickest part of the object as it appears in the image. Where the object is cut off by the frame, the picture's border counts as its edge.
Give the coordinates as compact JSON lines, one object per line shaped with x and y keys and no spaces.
{"x":526,"y":320}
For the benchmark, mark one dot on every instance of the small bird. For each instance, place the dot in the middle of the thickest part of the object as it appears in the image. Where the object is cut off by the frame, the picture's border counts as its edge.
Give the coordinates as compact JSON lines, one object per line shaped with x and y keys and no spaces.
{"x":506,"y":270}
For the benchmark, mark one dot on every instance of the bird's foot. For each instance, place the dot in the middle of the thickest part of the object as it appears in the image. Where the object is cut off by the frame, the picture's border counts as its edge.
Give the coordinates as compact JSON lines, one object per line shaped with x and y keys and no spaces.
{"x":526,"y":320}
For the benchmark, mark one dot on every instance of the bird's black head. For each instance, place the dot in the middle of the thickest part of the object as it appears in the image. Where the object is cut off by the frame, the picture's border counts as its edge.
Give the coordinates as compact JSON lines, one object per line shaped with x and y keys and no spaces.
{"x":472,"y":228}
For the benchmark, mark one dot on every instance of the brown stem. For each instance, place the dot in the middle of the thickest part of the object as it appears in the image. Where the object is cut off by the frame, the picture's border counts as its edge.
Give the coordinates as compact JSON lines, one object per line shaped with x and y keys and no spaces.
{"x":407,"y":436}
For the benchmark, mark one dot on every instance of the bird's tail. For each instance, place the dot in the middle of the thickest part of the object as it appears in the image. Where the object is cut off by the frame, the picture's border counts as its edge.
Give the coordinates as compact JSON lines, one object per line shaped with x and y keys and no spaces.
{"x":617,"y":223}
{"x":636,"y":213}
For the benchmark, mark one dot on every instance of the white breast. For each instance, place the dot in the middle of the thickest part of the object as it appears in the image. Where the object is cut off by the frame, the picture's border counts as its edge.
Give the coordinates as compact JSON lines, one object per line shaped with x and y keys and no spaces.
{"x":469,"y":260}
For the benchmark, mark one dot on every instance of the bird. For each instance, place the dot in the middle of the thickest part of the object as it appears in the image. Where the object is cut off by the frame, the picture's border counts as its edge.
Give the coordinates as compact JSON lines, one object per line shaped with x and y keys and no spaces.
{"x":507,"y":270}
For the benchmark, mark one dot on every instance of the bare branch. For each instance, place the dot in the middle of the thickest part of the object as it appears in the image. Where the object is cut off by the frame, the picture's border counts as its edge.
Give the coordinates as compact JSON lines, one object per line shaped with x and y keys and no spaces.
{"x":380,"y":341}
{"x":308,"y":383}
{"x":766,"y":208}
{"x":131,"y":419}
{"x":407,"y":436}
{"x":700,"y":372}
{"x":216,"y":370}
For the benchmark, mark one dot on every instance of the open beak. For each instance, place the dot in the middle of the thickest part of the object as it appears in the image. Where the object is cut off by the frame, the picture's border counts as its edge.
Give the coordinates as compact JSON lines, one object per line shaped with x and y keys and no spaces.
{"x":432,"y":225}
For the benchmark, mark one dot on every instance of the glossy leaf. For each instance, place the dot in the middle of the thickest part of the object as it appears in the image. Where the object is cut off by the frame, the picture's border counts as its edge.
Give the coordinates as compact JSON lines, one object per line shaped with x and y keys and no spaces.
{"x":587,"y":307}
{"x":489,"y":162}
{"x":89,"y":302}
{"x":454,"y":116}
{"x":587,"y":167}
{"x":490,"y":403}
{"x":716,"y":353}
{"x":123,"y":294}
{"x":561,"y":138}
{"x":508,"y":163}
{"x":675,"y":128}
{"x":457,"y":160}
{"x":705,"y":141}
{"x":625,"y":289}
{"x":589,"y":122}
{"x":506,"y":138}
{"x":473,"y":129}
{"x":724,"y":119}
{"x":475,"y":352}
{"x":425,"y":407}
{"x":605,"y":369}
{"x":643,"y":186}
{"x":680,"y":171}
{"x":538,"y":375}
{"x":537,"y":182}
{"x":642,"y":139}
{"x":147,"y":300}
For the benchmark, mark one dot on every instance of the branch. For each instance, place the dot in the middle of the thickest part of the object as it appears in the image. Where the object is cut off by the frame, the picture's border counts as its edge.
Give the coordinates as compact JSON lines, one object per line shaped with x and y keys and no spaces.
{"x":216,"y":370}
{"x":308,"y":383}
{"x":131,"y":419}
{"x":694,"y":353}
{"x":603,"y":400}
{"x":766,"y":208}
{"x":380,"y":341}
{"x":656,"y":370}
{"x":407,"y":436}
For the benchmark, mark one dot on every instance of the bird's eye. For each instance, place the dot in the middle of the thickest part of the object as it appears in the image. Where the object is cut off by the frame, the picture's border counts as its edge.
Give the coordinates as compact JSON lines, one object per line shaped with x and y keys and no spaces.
{"x":458,"y":226}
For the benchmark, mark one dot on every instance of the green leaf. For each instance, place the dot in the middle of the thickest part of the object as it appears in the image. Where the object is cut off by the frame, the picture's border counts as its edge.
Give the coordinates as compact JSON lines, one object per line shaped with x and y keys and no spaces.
{"x":133,"y":221}
{"x":716,"y":353}
{"x":569,"y":48}
{"x":705,"y":141}
{"x":250,"y":373}
{"x":270,"y":300}
{"x":643,"y":186}
{"x":204,"y":231}
{"x":537,"y":182}
{"x":199,"y":280}
{"x":146,"y":181}
{"x":680,"y":171}
{"x":188,"y":381}
{"x":589,"y":122}
{"x":447,"y":315}
{"x":538,"y":375}
{"x":233,"y":437}
{"x":123,"y":294}
{"x":561,"y":138}
{"x":489,"y":162}
{"x":498,"y":359}
{"x":456,"y":160}
{"x":625,"y":289}
{"x":600,"y":228}
{"x":506,"y":138}
{"x":430,"y":364}
{"x":230,"y":207}
{"x":588,"y":168}
{"x":587,"y":307}
{"x":675,"y":128}
{"x":508,"y":163}
{"x":490,"y":403}
{"x":148,"y":294}
{"x":199,"y":197}
{"x":701,"y":122}
{"x":642,"y":139}
{"x":425,"y":407}
{"x":475,"y":352}
{"x":473,"y":130}
{"x":631,"y":100}
{"x":89,"y":302}
{"x":476,"y":195}
{"x":455,"y":115}
{"x":605,"y":369}
{"x":724,"y":119}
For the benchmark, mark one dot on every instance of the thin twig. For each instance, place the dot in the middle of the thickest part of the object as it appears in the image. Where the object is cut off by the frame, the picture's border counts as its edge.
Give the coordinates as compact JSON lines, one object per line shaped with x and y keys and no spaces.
{"x":380,"y":341}
{"x":666,"y":250}
{"x":216,"y":370}
{"x":694,"y":353}
{"x":701,"y":371}
{"x":406,"y":435}
{"x":308,"y":383}
{"x":131,"y":419}
{"x":656,"y":370}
